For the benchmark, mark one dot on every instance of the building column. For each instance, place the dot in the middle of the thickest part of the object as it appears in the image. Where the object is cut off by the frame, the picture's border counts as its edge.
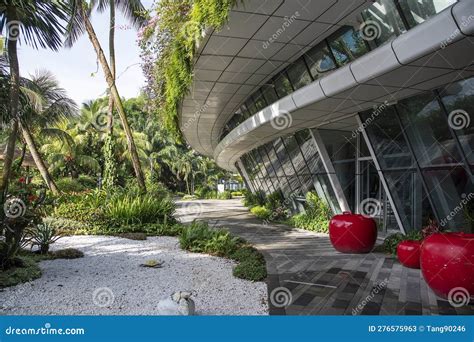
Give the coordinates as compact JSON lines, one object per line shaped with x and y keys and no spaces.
{"x":245,"y":176}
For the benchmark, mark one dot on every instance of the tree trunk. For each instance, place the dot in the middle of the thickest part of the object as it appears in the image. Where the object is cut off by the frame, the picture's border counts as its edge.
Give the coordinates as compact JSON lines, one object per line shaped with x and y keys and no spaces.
{"x":110,"y":117}
{"x":117,"y":100}
{"x":14,"y":99}
{"x":22,"y":158}
{"x":40,"y":164}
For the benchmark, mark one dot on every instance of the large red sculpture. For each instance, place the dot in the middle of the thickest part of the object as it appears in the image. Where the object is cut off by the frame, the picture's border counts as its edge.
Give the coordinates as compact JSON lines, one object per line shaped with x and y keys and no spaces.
{"x":352,"y":233}
{"x":447,"y":262}
{"x":408,"y":252}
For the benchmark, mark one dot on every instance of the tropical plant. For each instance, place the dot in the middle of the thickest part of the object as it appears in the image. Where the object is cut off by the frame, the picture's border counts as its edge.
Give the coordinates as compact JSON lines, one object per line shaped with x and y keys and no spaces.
{"x":261,"y":212}
{"x":78,"y":24}
{"x":43,"y":235}
{"x":316,"y":216}
{"x":38,"y":24}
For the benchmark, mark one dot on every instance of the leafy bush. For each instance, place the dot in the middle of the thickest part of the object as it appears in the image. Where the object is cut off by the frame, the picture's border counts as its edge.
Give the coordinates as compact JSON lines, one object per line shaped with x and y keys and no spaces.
{"x":67,"y":253}
{"x":70,"y":185}
{"x":87,"y":182}
{"x":125,"y":209}
{"x":254,"y":199}
{"x":43,"y":235}
{"x":391,"y":242}
{"x":317,"y":215}
{"x":188,"y":197}
{"x":198,"y":237}
{"x":237,"y":193}
{"x":25,"y":269}
{"x":224,"y":195}
{"x":261,"y":212}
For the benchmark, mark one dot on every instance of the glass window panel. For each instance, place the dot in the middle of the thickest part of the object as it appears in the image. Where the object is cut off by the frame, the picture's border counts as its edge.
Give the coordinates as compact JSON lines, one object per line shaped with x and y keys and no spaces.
{"x":384,"y":20}
{"x":347,"y":45}
{"x":245,"y":111}
{"x":251,"y":107}
{"x":320,"y":60}
{"x":269,"y":94}
{"x":287,"y":167}
{"x":298,"y":74}
{"x":426,"y":127}
{"x":299,"y":163}
{"x":417,"y":11}
{"x":282,"y":85}
{"x":458,"y":99}
{"x":259,"y":101}
{"x":284,"y":185}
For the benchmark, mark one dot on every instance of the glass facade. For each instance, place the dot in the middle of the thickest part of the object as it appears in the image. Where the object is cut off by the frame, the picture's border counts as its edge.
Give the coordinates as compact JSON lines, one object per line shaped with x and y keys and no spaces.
{"x":389,"y":19}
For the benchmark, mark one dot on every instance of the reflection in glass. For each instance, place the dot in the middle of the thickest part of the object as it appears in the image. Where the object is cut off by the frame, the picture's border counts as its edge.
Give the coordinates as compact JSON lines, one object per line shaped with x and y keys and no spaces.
{"x":282,"y":85}
{"x":298,"y":74}
{"x":269,"y":94}
{"x":347,"y":45}
{"x":319,"y":60}
{"x":417,"y":11}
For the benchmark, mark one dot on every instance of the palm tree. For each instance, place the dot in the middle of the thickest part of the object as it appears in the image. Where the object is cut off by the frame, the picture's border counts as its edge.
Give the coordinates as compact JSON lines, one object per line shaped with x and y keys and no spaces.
{"x":44,"y":103}
{"x":37,"y":23}
{"x":80,"y":13}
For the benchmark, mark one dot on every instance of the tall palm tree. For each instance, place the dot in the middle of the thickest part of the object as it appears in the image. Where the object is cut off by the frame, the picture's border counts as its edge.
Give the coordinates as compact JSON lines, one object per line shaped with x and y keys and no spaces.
{"x":36,"y":23}
{"x":80,"y":23}
{"x":44,"y":104}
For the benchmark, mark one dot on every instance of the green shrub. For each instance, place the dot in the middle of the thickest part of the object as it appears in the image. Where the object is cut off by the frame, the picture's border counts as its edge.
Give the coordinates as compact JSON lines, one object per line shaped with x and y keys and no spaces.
{"x":87,"y":182}
{"x":391,"y":242}
{"x":237,"y":193}
{"x":68,"y":185}
{"x":261,"y":212}
{"x":125,"y":209}
{"x":43,"y":235}
{"x":188,"y":197}
{"x":254,"y":199}
{"x":317,"y":215}
{"x":198,"y":237}
{"x":224,"y":195}
{"x":25,"y":269}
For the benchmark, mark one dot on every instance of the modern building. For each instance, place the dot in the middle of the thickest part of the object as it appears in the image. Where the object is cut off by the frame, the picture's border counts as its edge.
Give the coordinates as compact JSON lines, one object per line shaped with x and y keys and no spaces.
{"x":368,"y":103}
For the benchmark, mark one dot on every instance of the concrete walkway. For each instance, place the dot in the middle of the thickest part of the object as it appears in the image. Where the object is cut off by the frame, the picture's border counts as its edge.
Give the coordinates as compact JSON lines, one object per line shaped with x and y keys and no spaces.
{"x":306,"y":276}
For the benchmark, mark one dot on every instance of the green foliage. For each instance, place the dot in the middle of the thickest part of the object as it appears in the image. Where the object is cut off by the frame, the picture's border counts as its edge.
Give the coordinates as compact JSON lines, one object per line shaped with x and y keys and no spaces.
{"x":253,"y":199}
{"x":198,"y":237}
{"x":24,"y":269}
{"x":391,"y":242}
{"x":43,"y":235}
{"x":261,"y":212}
{"x":237,"y":193}
{"x":133,"y":236}
{"x":224,"y":195}
{"x":317,"y":215}
{"x":67,"y":253}
{"x":189,"y":197}
{"x":70,"y":185}
{"x":110,"y":164}
{"x":178,"y":31}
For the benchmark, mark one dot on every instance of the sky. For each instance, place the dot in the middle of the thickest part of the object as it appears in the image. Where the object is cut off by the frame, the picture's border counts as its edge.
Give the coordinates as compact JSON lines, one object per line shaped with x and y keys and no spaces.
{"x":76,"y":68}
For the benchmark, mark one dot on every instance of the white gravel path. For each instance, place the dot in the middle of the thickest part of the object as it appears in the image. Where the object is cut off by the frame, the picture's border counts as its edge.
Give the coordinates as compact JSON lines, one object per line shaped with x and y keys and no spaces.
{"x":110,"y":269}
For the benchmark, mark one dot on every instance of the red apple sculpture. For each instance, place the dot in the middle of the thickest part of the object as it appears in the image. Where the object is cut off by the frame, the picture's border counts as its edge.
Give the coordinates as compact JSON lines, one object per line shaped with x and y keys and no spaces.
{"x":408,"y":252}
{"x":352,"y":233}
{"x":447,"y":262}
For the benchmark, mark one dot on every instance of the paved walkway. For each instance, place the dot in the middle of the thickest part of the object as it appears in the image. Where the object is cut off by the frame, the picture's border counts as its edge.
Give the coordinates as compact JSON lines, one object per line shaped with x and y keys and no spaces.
{"x":306,"y":276}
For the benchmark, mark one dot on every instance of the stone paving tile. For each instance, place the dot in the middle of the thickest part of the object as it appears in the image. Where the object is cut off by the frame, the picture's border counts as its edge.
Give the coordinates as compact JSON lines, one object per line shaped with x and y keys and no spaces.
{"x":322,"y":281}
